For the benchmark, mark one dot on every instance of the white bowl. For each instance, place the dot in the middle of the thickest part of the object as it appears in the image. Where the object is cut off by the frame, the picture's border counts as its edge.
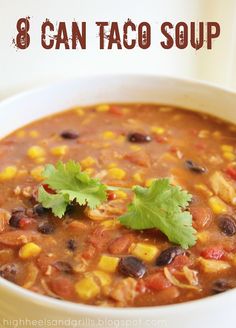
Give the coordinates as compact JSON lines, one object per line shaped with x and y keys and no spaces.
{"x":22,"y":308}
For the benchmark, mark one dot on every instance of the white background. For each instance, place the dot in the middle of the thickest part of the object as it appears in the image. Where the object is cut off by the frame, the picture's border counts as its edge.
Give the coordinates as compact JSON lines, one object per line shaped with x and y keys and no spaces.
{"x":36,"y":66}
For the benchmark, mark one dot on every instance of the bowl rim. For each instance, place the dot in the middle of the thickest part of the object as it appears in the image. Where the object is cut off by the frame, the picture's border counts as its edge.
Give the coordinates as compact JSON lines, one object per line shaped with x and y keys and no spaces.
{"x":127,"y":312}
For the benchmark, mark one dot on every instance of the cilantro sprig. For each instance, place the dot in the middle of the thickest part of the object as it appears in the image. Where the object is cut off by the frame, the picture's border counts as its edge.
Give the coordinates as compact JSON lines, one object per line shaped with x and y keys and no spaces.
{"x":161,"y":206}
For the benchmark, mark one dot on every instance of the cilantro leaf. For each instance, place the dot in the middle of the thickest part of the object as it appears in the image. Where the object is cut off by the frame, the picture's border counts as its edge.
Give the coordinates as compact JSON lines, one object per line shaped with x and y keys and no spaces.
{"x":56,"y":202}
{"x":162,"y":206}
{"x":70,"y":182}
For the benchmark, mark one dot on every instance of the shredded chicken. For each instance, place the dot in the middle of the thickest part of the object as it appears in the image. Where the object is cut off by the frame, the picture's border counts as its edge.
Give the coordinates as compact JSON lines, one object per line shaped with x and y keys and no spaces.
{"x":124,"y":291}
{"x":223,"y":187}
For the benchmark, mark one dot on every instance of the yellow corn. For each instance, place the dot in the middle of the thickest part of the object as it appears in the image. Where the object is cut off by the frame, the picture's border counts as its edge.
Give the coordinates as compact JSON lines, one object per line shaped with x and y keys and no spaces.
{"x":108,"y":263}
{"x":203,"y":236}
{"x":213,"y":266}
{"x":217,"y":205}
{"x":146,"y":252}
{"x":87,"y":288}
{"x":148,"y":182}
{"x":227,"y":148}
{"x":29,"y":250}
{"x":33,"y":133}
{"x":20,"y":133}
{"x":8,"y":173}
{"x":204,"y":189}
{"x":36,"y":152}
{"x":157,"y":130}
{"x":36,"y":172}
{"x":103,"y":277}
{"x":103,"y":108}
{"x":116,"y":173}
{"x":111,"y":165}
{"x":138,"y":177}
{"x":120,"y":194}
{"x":135,"y":147}
{"x":229,"y":156}
{"x":87,"y":162}
{"x":108,"y":135}
{"x":59,"y":150}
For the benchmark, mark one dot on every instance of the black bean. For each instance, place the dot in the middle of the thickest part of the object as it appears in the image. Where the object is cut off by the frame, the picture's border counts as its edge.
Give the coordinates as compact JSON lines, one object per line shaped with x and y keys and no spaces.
{"x":15,"y":219}
{"x":168,"y":255}
{"x":227,"y":224}
{"x":192,"y":166}
{"x":69,"y":134}
{"x":71,"y":245}
{"x":131,"y":266}
{"x":8,"y":271}
{"x":63,"y":266}
{"x":220,"y":286}
{"x":139,"y":137}
{"x":46,"y":228}
{"x":40,"y":210}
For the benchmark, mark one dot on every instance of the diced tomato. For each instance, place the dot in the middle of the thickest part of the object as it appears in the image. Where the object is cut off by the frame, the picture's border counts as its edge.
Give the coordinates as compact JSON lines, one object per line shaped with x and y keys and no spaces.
{"x":157,"y":281}
{"x":231,"y":171}
{"x":63,"y":287}
{"x":27,"y":223}
{"x":180,"y":261}
{"x":161,"y":139}
{"x":89,"y":252}
{"x":213,"y":253}
{"x":111,"y":195}
{"x":100,"y":237}
{"x":48,"y":189}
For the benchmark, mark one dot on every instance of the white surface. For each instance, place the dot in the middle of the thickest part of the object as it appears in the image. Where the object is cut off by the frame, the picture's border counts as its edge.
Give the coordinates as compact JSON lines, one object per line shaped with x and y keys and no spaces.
{"x":23,"y":69}
{"x":19,"y":304}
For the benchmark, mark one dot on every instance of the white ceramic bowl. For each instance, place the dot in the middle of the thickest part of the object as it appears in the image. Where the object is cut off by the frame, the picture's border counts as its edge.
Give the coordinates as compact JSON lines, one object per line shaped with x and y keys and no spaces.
{"x":22,"y":308}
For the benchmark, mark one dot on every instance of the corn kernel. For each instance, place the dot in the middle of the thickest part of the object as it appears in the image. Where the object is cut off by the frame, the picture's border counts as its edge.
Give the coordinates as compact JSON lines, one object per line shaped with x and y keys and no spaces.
{"x":157,"y":130}
{"x":138,"y":177}
{"x":120,"y":194}
{"x":148,"y":182}
{"x":227,"y":148}
{"x":146,"y":252}
{"x":87,"y":162}
{"x":217,"y":205}
{"x":29,"y":250}
{"x":116,"y":173}
{"x":103,"y":108}
{"x":103,"y":277}
{"x":228,"y":155}
{"x":108,"y":135}
{"x":135,"y":147}
{"x":33,"y":134}
{"x":213,"y":266}
{"x":89,"y":170}
{"x":108,"y":263}
{"x":59,"y":150}
{"x":87,"y":288}
{"x":203,"y":236}
{"x":8,"y":173}
{"x":36,"y":152}
{"x":20,"y":133}
{"x":111,"y":165}
{"x":36,"y":172}
{"x":204,"y":189}
{"x":79,"y":111}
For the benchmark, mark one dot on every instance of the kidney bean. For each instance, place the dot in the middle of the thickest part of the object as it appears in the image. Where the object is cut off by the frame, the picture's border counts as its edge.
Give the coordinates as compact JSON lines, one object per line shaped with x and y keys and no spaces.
{"x":69,"y":134}
{"x":192,"y":166}
{"x":63,"y":287}
{"x":46,"y":228}
{"x":63,"y":266}
{"x":168,"y":255}
{"x":17,"y":237}
{"x":220,"y":286}
{"x":202,"y":216}
{"x":139,"y":137}
{"x":227,"y":224}
{"x":8,"y":271}
{"x":121,"y":244}
{"x":131,"y":266}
